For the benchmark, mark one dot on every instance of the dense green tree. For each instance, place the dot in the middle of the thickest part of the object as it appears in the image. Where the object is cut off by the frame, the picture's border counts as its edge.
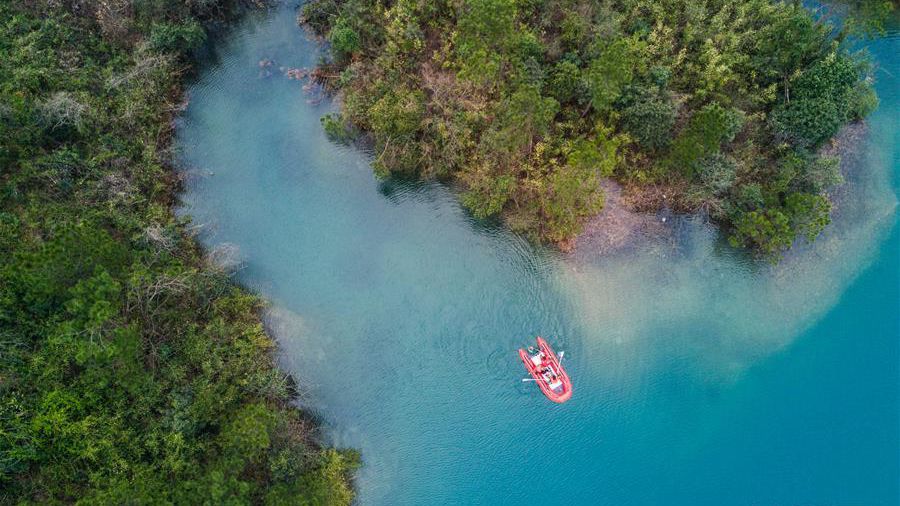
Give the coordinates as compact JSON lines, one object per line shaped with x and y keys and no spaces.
{"x":722,"y":103}
{"x":767,"y":230}
{"x":176,"y":38}
{"x":524,"y":116}
{"x":821,"y":101}
{"x":344,"y":39}
{"x":614,"y":67}
{"x":869,"y":17}
{"x":704,"y":135}
{"x":565,"y":83}
{"x":650,"y":119}
{"x":486,"y":31}
{"x":132,"y":370}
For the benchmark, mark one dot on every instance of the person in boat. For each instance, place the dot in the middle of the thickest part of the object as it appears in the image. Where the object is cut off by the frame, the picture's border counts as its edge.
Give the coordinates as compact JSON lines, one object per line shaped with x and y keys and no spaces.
{"x":545,"y":362}
{"x":537,"y":357}
{"x":554,"y":381}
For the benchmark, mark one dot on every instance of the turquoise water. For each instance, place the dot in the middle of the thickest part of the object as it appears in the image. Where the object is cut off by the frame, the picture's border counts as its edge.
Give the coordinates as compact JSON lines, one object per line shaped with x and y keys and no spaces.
{"x":700,"y":377}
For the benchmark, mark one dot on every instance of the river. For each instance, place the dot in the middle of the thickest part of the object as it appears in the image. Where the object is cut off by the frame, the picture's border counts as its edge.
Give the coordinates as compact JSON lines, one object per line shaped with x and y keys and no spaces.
{"x":701,"y":377}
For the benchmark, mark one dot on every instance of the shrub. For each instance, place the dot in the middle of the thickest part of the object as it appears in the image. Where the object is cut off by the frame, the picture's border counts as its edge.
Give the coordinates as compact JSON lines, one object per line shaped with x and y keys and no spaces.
{"x":649,"y":120}
{"x":565,"y":83}
{"x":707,"y":130}
{"x":179,"y":38}
{"x":344,"y":39}
{"x":336,"y":129}
{"x":768,"y":231}
{"x":612,"y":69}
{"x":809,"y":214}
{"x":823,"y":98}
{"x":716,"y":173}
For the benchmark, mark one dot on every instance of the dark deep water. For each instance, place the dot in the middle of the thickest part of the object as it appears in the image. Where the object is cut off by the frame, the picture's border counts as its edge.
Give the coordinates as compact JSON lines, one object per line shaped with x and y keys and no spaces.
{"x":700,"y":377}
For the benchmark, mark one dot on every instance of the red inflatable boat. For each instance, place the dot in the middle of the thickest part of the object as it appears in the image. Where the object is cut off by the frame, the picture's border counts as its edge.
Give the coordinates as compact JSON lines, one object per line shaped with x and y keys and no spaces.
{"x":544,"y":367}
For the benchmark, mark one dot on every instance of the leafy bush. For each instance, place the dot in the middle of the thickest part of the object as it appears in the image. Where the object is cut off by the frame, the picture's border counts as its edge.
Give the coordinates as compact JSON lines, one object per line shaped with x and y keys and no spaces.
{"x":565,"y":83}
{"x":716,"y":173}
{"x":768,"y":231}
{"x":344,"y":39}
{"x":650,"y":119}
{"x":707,"y":130}
{"x":809,"y":213}
{"x":176,"y":38}
{"x":824,"y":97}
{"x":613,"y":69}
{"x":501,"y":80}
{"x":335,"y":128}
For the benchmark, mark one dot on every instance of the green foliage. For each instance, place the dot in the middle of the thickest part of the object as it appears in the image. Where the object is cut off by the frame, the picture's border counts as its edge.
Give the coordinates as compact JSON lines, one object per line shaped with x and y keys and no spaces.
{"x":599,"y":153}
{"x":704,"y":135}
{"x":336,"y":129}
{"x":774,"y":229}
{"x":869,"y":17}
{"x":132,"y":371}
{"x":810,"y":214}
{"x":403,"y":31}
{"x":800,"y":171}
{"x":649,"y":119}
{"x":397,"y":114}
{"x":395,"y":120}
{"x":824,"y":97}
{"x":565,"y":83}
{"x":344,"y":39}
{"x":319,"y":15}
{"x":562,"y":186}
{"x":614,"y":67}
{"x":708,"y":99}
{"x":787,"y":42}
{"x":486,"y":31}
{"x":523,"y":116}
{"x":176,"y":38}
{"x":486,"y":193}
{"x":716,"y":173}
{"x":768,"y":231}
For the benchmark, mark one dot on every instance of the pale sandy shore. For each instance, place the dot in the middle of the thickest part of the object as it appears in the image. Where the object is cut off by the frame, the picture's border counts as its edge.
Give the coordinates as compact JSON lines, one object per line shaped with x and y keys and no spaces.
{"x":618,"y":227}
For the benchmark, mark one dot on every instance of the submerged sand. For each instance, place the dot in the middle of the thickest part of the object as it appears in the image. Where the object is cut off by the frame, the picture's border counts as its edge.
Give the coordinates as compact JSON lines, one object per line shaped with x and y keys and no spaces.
{"x":619,"y":227}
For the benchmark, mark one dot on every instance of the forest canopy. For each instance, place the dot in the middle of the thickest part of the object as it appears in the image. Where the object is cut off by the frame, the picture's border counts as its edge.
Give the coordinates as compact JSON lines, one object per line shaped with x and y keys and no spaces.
{"x":132,"y":370}
{"x":526,"y":104}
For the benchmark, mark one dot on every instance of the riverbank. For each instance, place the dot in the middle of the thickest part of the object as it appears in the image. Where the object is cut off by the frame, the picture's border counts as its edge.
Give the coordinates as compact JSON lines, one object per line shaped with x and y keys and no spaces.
{"x":693,"y":365}
{"x":133,"y":368}
{"x":527,"y":107}
{"x":634,"y":214}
